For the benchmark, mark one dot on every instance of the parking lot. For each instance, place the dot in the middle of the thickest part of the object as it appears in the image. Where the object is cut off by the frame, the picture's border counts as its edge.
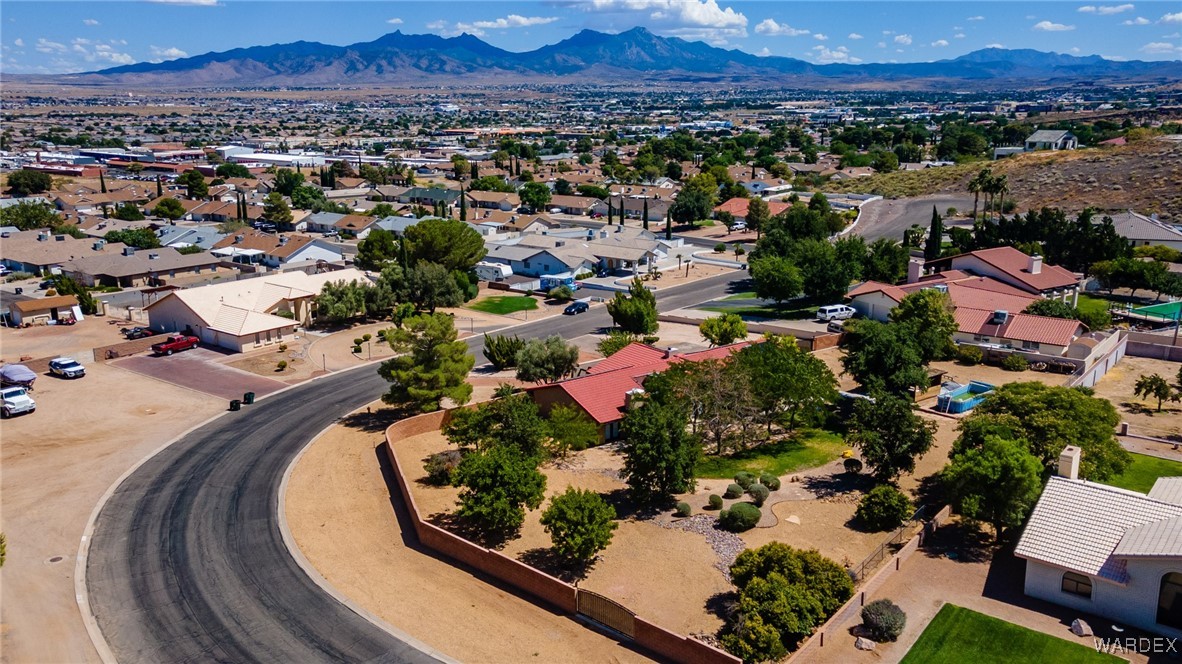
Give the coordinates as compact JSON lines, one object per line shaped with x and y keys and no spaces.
{"x":201,"y":370}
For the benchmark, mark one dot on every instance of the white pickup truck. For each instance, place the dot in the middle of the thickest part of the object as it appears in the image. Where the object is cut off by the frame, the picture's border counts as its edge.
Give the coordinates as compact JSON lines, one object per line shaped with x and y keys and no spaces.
{"x":16,"y":401}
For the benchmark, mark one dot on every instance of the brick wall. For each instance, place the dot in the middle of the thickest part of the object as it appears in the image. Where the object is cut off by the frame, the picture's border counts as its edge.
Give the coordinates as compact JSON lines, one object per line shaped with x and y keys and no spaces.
{"x":122,"y":349}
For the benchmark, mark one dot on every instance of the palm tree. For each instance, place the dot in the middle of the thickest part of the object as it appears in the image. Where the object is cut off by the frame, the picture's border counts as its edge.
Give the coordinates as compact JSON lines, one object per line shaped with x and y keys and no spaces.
{"x":977,"y":185}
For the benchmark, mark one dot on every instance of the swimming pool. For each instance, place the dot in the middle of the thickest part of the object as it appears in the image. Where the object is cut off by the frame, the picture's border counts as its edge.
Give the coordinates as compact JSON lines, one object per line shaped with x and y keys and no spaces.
{"x":1163,"y":311}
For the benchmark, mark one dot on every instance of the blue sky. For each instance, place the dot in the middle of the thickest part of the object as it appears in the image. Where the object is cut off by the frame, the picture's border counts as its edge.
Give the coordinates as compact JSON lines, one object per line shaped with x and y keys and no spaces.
{"x":48,"y":37}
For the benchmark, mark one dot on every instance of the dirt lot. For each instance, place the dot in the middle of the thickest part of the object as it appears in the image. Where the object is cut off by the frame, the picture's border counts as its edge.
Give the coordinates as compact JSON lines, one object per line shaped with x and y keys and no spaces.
{"x":339,"y":510}
{"x":1117,"y":387}
{"x":57,"y":462}
{"x":52,"y":340}
{"x":996,"y":375}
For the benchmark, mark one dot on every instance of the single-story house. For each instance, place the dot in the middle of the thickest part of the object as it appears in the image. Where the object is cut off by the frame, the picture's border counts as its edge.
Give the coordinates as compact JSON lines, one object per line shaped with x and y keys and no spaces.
{"x":1106,"y":551}
{"x":738,"y":208}
{"x":37,"y":250}
{"x":246,"y":314}
{"x":181,"y":236}
{"x":1041,"y":334}
{"x":1051,"y":139}
{"x":36,"y":311}
{"x":536,"y":262}
{"x":429,"y":196}
{"x":145,"y":267}
{"x":1142,"y":231}
{"x":575,"y":205}
{"x":493,"y":200}
{"x":257,"y":247}
{"x":633,"y":207}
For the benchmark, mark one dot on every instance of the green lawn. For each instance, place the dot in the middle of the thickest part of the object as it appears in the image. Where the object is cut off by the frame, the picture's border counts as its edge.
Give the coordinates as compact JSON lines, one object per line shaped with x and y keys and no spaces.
{"x":1144,"y":471}
{"x":1091,"y":304}
{"x":806,"y":312}
{"x":504,"y":304}
{"x":748,"y":295}
{"x":958,"y":635}
{"x":809,"y":449}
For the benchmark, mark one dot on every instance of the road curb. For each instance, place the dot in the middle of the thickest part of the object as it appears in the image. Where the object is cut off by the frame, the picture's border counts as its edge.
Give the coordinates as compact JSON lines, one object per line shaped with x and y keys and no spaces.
{"x":294,"y":551}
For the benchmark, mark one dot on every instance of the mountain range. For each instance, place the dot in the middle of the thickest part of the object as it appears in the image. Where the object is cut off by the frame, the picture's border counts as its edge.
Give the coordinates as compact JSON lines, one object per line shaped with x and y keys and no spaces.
{"x":635,"y":56}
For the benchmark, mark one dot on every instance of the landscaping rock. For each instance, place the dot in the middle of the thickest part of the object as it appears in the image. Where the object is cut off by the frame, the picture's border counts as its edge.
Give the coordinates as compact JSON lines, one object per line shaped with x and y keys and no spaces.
{"x":1080,"y":628}
{"x":727,"y":546}
{"x":864,"y":643}
{"x":793,"y":519}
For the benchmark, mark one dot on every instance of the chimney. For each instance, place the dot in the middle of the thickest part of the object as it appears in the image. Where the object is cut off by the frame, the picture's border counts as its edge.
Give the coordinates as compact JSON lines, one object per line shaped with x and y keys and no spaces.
{"x":1035,"y":264}
{"x":631,"y":398}
{"x":670,"y":352}
{"x":128,"y":251}
{"x":1069,"y":462}
{"x":560,"y":243}
{"x":914,"y":270}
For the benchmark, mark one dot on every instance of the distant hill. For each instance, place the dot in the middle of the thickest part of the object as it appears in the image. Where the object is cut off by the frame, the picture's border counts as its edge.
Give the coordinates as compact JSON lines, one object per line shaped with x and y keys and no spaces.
{"x":636,"y":55}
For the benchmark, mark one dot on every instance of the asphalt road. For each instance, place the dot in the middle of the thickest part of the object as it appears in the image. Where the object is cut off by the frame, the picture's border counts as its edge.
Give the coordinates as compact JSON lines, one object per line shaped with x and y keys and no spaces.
{"x":889,"y":218}
{"x":187,"y":562}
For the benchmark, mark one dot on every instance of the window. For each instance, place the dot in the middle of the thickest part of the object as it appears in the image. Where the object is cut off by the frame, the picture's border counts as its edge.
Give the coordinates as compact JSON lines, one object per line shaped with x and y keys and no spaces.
{"x":1169,"y":601}
{"x":525,"y":263}
{"x":1077,"y":584}
{"x":1030,"y":345}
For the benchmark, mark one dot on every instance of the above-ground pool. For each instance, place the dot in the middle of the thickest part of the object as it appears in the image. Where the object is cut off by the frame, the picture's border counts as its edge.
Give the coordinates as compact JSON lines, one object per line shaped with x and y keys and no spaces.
{"x":1163,"y":311}
{"x":957,"y":398}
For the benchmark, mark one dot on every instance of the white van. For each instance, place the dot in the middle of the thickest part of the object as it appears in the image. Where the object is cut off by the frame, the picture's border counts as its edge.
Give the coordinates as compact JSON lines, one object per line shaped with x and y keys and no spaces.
{"x":835,"y":312}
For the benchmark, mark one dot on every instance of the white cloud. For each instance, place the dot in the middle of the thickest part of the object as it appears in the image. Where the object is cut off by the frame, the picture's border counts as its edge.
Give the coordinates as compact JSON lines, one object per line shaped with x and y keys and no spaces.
{"x":89,"y":21}
{"x":940,"y":43}
{"x":437,"y":25}
{"x":839,"y":54}
{"x":881,"y":44}
{"x":903,"y":39}
{"x":763,"y":52}
{"x":1105,"y":10}
{"x":1171,"y":18}
{"x":690,"y":19}
{"x":1161,"y":48}
{"x":995,"y":45}
{"x":160,"y":54}
{"x":1075,"y":49}
{"x":394,"y":21}
{"x":821,"y":37}
{"x":975,"y":18}
{"x":18,"y":42}
{"x":959,"y":35}
{"x":1047,"y":26}
{"x":771,"y":28}
{"x":1030,"y":17}
{"x":102,"y":53}
{"x":888,"y":33}
{"x":1140,"y":20}
{"x":46,"y":46}
{"x":195,"y":3}
{"x":854,"y":35}
{"x":514,"y":21}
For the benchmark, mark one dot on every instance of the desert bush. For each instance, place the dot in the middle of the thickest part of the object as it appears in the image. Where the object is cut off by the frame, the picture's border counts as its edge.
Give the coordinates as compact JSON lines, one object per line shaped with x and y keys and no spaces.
{"x":650,"y":339}
{"x":883,"y":619}
{"x":739,"y":517}
{"x":715,"y":501}
{"x":852,"y":465}
{"x":884,"y":508}
{"x":744,"y":479}
{"x":366,"y":337}
{"x":358,"y":341}
{"x":770,"y":481}
{"x":50,"y":293}
{"x":733,"y":491}
{"x":19,"y":276}
{"x":282,"y":348}
{"x":281,"y":365}
{"x":683,"y":509}
{"x":440,"y":465}
{"x":950,"y":212}
{"x":969,"y":355}
{"x":758,"y":493}
{"x":356,"y":350}
{"x":720,"y":248}
{"x":1015,"y":362}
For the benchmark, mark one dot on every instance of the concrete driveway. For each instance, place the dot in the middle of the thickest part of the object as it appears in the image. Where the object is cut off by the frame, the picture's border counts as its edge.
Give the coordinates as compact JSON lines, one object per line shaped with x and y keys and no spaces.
{"x":201,"y":369}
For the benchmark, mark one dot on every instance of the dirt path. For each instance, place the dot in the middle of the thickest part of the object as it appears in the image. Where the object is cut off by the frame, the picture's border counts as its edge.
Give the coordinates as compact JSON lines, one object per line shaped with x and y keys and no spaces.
{"x":344,"y":520}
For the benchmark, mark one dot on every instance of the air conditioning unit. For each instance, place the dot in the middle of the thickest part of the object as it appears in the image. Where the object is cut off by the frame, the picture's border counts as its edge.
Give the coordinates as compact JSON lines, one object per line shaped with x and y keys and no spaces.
{"x":999,"y":317}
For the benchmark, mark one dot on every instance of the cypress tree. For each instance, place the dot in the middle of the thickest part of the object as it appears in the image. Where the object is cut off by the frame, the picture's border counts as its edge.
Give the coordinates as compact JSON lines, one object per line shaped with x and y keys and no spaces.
{"x":463,"y":205}
{"x":102,"y":182}
{"x":610,"y":210}
{"x":668,"y":225}
{"x":935,"y":241}
{"x":645,"y":214}
{"x":159,"y":187}
{"x":474,"y":171}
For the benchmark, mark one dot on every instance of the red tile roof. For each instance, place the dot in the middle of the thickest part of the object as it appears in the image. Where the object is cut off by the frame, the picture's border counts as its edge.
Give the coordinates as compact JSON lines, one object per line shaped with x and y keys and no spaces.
{"x":1015,"y":264}
{"x":1018,"y":327}
{"x":738,"y":207}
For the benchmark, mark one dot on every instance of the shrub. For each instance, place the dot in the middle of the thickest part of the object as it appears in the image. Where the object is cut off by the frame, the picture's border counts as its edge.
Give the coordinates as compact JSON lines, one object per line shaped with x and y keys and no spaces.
{"x":1015,"y":362}
{"x":852,"y":465}
{"x":715,"y":501}
{"x":356,"y":350}
{"x":650,"y":339}
{"x":281,"y":365}
{"x":884,"y":508}
{"x":758,"y":493}
{"x":744,"y":479}
{"x":580,"y":523}
{"x":720,"y":248}
{"x":950,"y":212}
{"x":50,"y":293}
{"x":20,"y":276}
{"x":440,"y":465}
{"x":561,"y":293}
{"x":501,"y":350}
{"x":884,"y":620}
{"x":770,"y":481}
{"x":282,"y":348}
{"x":366,"y":337}
{"x":584,"y":275}
{"x":740,"y":517}
{"x":733,"y":491}
{"x":683,"y":509}
{"x":970,"y":355}
{"x":358,"y":341}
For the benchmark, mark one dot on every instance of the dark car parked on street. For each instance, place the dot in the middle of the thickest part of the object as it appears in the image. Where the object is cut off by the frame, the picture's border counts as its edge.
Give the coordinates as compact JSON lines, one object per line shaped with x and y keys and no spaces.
{"x":576,"y":308}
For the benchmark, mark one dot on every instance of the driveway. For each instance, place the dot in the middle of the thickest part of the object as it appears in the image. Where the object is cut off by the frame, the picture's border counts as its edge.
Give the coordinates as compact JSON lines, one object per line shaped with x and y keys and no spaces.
{"x":201,"y":369}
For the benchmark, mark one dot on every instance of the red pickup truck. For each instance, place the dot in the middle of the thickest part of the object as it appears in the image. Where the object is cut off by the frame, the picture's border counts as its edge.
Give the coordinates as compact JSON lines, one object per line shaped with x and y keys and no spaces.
{"x":175,"y":343}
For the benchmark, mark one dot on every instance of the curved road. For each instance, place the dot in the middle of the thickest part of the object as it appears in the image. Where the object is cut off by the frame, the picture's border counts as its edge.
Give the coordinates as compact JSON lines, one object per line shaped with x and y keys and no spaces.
{"x":889,"y":218}
{"x":187,"y":563}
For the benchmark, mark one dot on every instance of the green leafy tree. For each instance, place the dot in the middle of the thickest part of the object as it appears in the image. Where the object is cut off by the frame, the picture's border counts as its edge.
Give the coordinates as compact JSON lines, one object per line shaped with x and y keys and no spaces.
{"x":1051,"y":308}
{"x":823,"y":277}
{"x":635,"y":312}
{"x":758,"y":215}
{"x":287,"y":180}
{"x":429,"y":285}
{"x":615,"y":341}
{"x":692,"y":205}
{"x":883,"y":508}
{"x":1154,"y":386}
{"x":659,"y":453}
{"x":169,"y":208}
{"x":535,"y":195}
{"x":928,"y":315}
{"x":890,"y":435}
{"x":228,"y":170}
{"x":776,"y":279}
{"x":546,"y":361}
{"x":68,"y":286}
{"x":381,"y":211}
{"x":378,"y":249}
{"x":1048,"y":417}
{"x":786,"y":379}
{"x":501,"y":350}
{"x":580,"y":523}
{"x":512,"y":421}
{"x":451,"y":243}
{"x":276,"y":210}
{"x":886,"y":261}
{"x":723,"y":329}
{"x":129,"y":212}
{"x":194,"y":183}
{"x":140,"y":238}
{"x":883,"y":357}
{"x":24,"y":183}
{"x":340,"y":301}
{"x":997,"y":483}
{"x":593,"y":191}
{"x":491,"y":183}
{"x":435,"y":365}
{"x":308,"y":197}
{"x":496,"y":485}
{"x":29,"y":216}
{"x":571,"y":430}
{"x":232,"y":226}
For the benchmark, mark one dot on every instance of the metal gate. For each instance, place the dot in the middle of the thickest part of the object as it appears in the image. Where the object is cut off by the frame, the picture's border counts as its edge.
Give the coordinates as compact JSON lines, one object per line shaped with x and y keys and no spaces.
{"x":604,"y":611}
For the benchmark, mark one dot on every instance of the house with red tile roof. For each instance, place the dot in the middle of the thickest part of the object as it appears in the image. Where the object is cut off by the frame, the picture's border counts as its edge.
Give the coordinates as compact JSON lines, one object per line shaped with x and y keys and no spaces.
{"x":738,"y":208}
{"x":1010,"y":266}
{"x":605,"y":390}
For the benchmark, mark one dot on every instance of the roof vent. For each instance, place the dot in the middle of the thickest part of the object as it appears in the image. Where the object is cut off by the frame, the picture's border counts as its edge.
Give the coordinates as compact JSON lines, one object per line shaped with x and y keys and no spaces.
{"x":98,"y":245}
{"x":128,"y":251}
{"x":1000,"y":317}
{"x":238,"y":238}
{"x":153,"y":257}
{"x":670,"y":352}
{"x":60,"y":238}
